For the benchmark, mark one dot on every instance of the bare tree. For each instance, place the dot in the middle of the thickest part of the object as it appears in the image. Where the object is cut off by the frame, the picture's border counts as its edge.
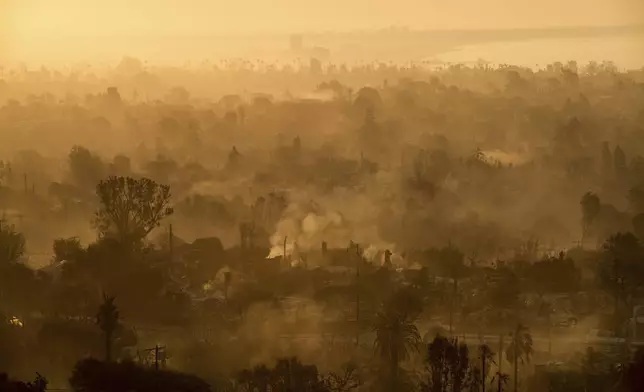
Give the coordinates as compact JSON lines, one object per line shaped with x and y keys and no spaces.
{"x":12,"y":244}
{"x":131,"y":208}
{"x":346,"y":381}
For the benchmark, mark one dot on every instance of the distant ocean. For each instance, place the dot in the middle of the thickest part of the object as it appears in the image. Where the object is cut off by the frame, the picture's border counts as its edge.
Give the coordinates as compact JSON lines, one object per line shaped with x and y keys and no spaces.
{"x":627,"y":51}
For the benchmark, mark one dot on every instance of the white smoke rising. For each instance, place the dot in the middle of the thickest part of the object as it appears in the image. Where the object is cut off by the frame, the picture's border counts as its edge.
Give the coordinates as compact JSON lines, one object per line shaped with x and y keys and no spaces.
{"x":375,"y":254}
{"x":506,"y":158}
{"x":343,"y":216}
{"x":305,"y":227}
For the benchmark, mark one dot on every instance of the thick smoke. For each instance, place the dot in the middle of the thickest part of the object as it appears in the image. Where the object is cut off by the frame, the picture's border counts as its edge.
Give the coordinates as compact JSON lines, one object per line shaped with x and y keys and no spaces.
{"x":305,"y":227}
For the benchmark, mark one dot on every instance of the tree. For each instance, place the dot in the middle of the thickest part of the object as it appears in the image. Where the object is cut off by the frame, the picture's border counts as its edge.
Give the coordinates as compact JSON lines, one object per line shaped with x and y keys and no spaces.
{"x":14,"y":275}
{"x":519,"y":350}
{"x":634,"y":373}
{"x":347,"y":381}
{"x":288,"y":374}
{"x":86,"y":168}
{"x":10,"y":343}
{"x":396,"y":338}
{"x":619,"y":158}
{"x":607,"y":158}
{"x":501,"y":380}
{"x":407,"y":300}
{"x":107,"y":319}
{"x":448,"y":366}
{"x":256,"y":379}
{"x":459,"y":365}
{"x":8,"y":385}
{"x":638,"y":226}
{"x":636,"y":198}
{"x":590,"y":206}
{"x":12,"y":244}
{"x":553,"y":275}
{"x":621,"y":271}
{"x":367,"y":98}
{"x":487,"y":357}
{"x":452,"y":263}
{"x":67,"y":249}
{"x":90,"y":375}
{"x":436,"y":364}
{"x":131,"y":208}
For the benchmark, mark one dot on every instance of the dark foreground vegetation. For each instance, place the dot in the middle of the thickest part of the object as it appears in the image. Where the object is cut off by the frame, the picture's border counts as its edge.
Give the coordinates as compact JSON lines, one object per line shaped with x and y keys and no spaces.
{"x":462,"y":229}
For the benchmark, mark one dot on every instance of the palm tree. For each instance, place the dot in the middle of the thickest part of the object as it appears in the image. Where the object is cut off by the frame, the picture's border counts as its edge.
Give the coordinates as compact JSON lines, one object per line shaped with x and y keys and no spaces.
{"x":590,"y":207}
{"x":396,"y":337}
{"x":107,"y":319}
{"x":487,"y":357}
{"x":520,"y":349}
{"x":501,"y":380}
{"x":452,"y":261}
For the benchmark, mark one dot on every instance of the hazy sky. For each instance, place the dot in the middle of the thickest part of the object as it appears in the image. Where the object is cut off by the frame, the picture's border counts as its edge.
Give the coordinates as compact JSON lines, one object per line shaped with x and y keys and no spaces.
{"x":142,"y":16}
{"x":32,"y":26}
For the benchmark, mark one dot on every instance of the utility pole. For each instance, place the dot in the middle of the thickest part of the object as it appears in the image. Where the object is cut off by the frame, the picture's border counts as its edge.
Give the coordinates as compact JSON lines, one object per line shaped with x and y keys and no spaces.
{"x":159,"y":355}
{"x":516,"y":359}
{"x":501,"y":353}
{"x":171,"y":244}
{"x":156,"y":357}
{"x":451,"y":313}
{"x":358,"y":261}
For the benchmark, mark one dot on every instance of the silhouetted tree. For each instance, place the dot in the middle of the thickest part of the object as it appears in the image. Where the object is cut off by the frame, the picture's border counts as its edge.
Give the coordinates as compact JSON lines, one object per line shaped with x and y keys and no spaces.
{"x":8,"y":385}
{"x":436,"y":363}
{"x":620,"y":160}
{"x":638,"y":226}
{"x":590,"y":207}
{"x":90,"y":375}
{"x":448,"y":366}
{"x":633,"y":379}
{"x":367,"y":98}
{"x":233,"y":158}
{"x":621,"y":271}
{"x":107,"y":319}
{"x":519,"y":350}
{"x":86,"y":168}
{"x":131,"y":208}
{"x":12,"y":244}
{"x":288,"y":375}
{"x":459,"y":365}
{"x":452,"y":264}
{"x":346,"y":381}
{"x":636,"y":199}
{"x":396,"y":338}
{"x":487,"y":357}
{"x":67,"y":249}
{"x":501,"y":380}
{"x":553,"y":275}
{"x":113,"y":96}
